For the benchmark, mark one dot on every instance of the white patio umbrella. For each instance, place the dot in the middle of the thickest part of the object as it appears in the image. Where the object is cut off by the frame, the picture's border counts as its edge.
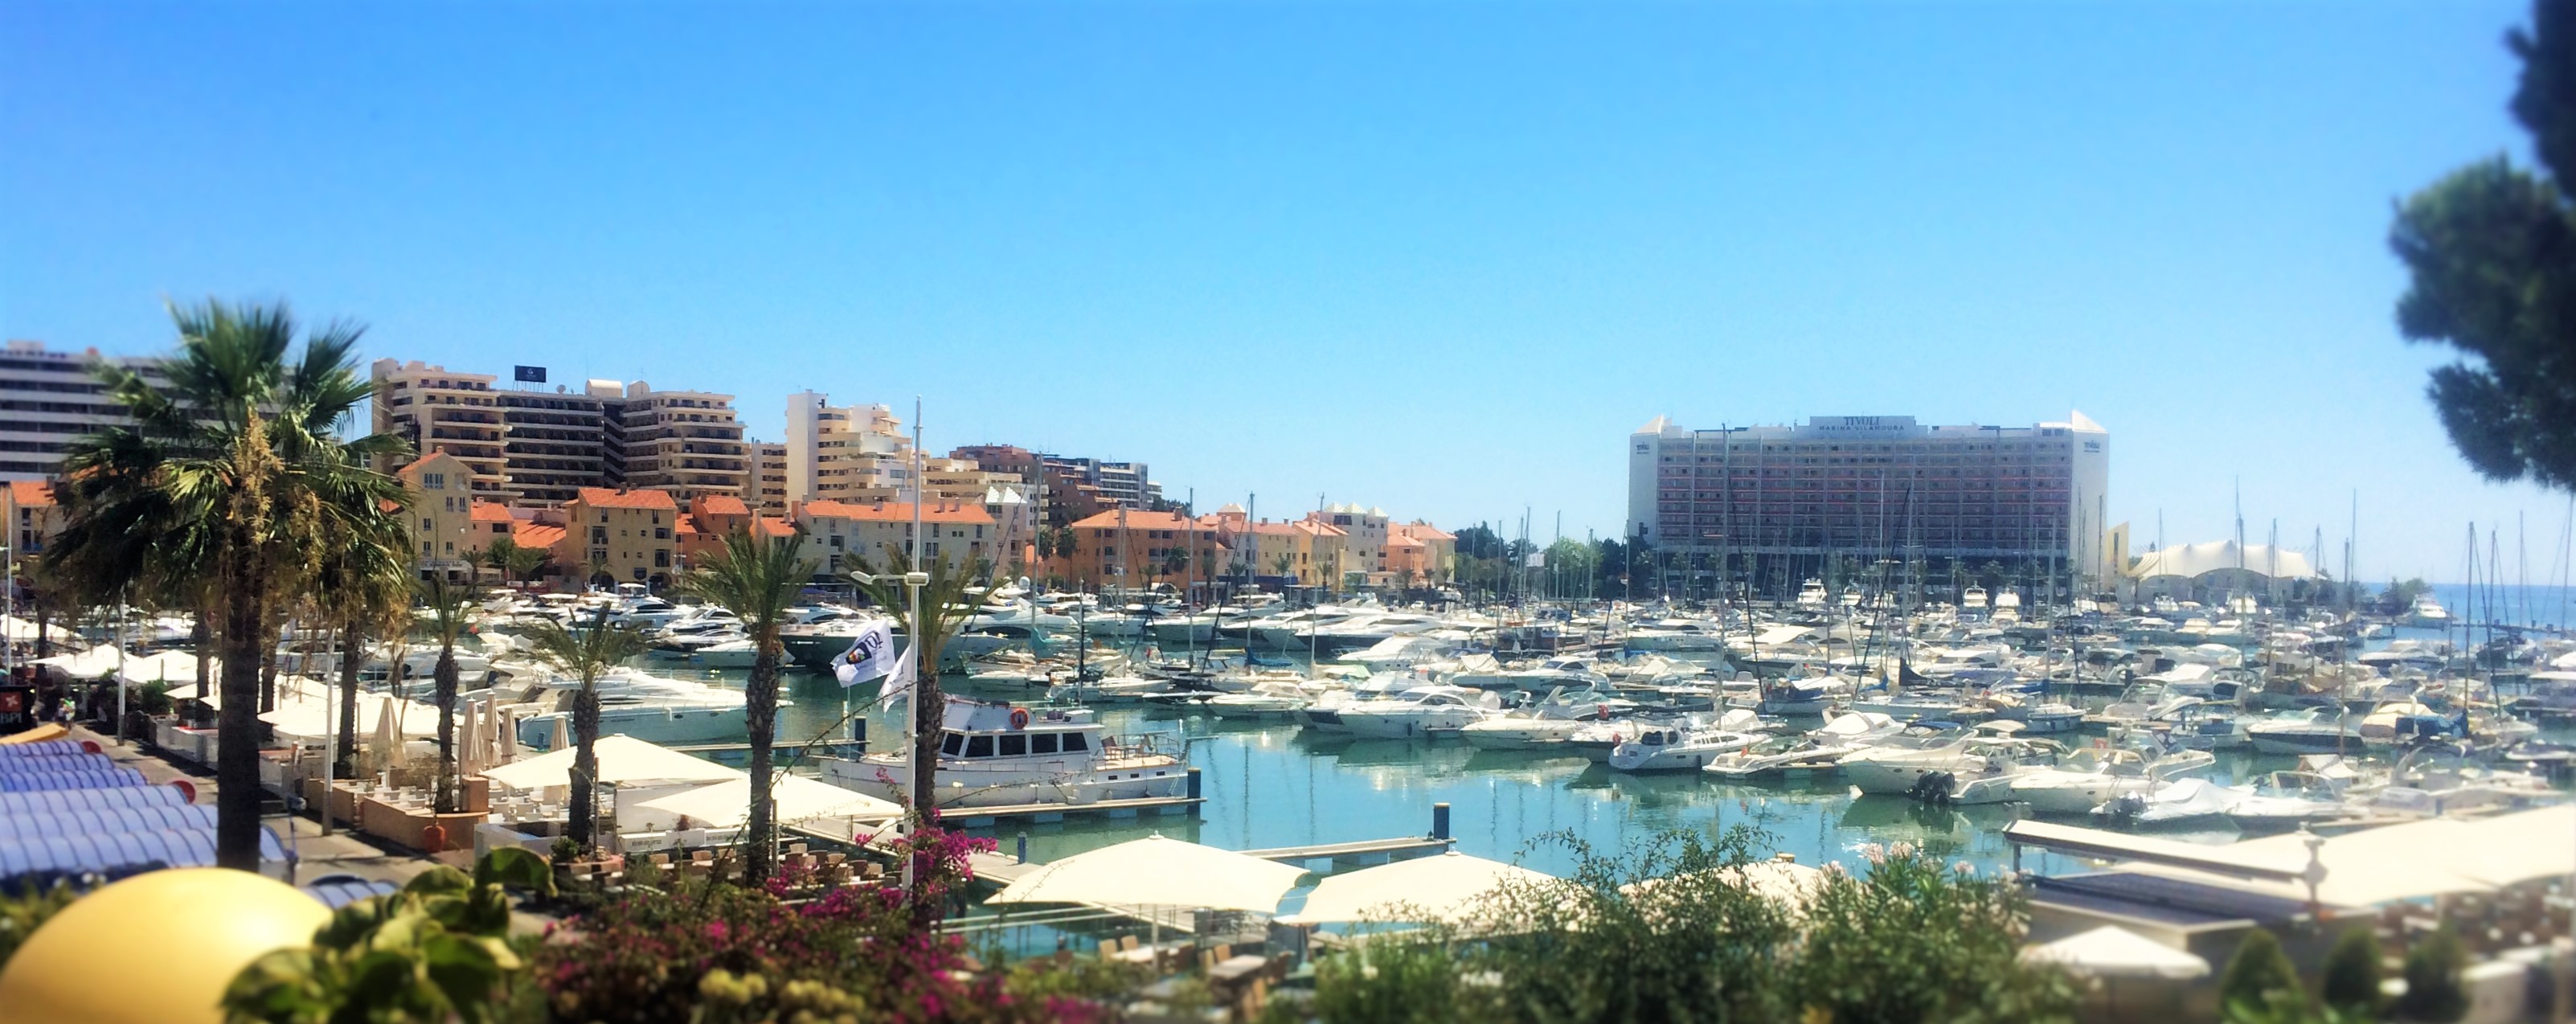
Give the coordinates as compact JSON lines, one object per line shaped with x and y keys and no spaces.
{"x":728,"y":804}
{"x":89,"y":664}
{"x":508,"y":736}
{"x":2111,"y":951}
{"x":389,"y":737}
{"x":1157,"y":872}
{"x":469,"y":739}
{"x":1447,"y":888}
{"x":621,"y":759}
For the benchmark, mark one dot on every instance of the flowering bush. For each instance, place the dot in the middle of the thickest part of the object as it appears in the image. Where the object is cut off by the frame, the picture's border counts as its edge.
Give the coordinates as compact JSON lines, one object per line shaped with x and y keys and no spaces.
{"x":793,"y":950}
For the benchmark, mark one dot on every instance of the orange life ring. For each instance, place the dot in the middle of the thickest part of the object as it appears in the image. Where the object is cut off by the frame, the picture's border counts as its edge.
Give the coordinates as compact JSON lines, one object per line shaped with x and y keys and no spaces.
{"x":1019,"y":718}
{"x":433,"y":838}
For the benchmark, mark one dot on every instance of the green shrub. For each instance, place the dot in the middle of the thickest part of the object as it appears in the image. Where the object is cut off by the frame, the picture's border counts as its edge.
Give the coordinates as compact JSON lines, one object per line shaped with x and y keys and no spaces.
{"x":2433,"y":992}
{"x":1916,"y":940}
{"x":1397,"y":979}
{"x":2351,"y":980}
{"x":2258,"y":970}
{"x":22,"y":911}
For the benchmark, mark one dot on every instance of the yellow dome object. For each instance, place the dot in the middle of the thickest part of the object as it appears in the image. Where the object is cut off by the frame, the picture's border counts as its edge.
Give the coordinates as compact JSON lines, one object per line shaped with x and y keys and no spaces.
{"x":157,"y":948}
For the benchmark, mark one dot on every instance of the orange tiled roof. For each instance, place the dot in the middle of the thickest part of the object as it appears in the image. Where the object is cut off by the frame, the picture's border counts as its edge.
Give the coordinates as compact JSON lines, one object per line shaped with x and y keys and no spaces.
{"x":777,"y":527}
{"x":686,"y":524}
{"x":31,"y":492}
{"x":491,"y":512}
{"x":723,"y":505}
{"x":898,"y":511}
{"x":1423,"y":531}
{"x":1147,"y":521}
{"x":536,"y":535}
{"x":1399,"y":540}
{"x":602,"y":497}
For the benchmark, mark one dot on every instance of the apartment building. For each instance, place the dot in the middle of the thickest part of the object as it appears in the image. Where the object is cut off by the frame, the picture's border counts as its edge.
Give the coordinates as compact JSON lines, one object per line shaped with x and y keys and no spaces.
{"x":533,"y":447}
{"x":1131,"y":548}
{"x":441,"y":514}
{"x":1419,"y":553}
{"x":1309,"y":552}
{"x":843,"y":453}
{"x":685,"y":442}
{"x":1364,"y":534}
{"x":710,"y":518}
{"x":48,"y":398}
{"x":625,"y":535}
{"x":28,"y":507}
{"x":843,"y":536}
{"x":767,"y":489}
{"x":1873,"y":487}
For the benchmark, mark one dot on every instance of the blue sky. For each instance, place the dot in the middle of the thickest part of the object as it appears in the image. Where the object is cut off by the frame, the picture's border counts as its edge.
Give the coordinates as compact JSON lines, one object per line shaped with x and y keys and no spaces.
{"x":1437,"y":257}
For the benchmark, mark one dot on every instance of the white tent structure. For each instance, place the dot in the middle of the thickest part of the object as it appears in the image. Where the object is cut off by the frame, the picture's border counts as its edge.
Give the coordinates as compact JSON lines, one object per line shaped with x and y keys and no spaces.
{"x":2194,"y":560}
{"x":2416,"y":860}
{"x":172,"y":667}
{"x":2111,"y":951}
{"x":93,"y":663}
{"x":1448,"y":888}
{"x":317,"y":715}
{"x":622,"y":759}
{"x":1157,"y":872}
{"x":727,"y":804}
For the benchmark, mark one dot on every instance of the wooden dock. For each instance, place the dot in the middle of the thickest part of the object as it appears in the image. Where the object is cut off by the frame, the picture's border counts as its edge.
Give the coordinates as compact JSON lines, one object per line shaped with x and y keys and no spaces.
{"x":1360,"y":853}
{"x":1134,"y":807}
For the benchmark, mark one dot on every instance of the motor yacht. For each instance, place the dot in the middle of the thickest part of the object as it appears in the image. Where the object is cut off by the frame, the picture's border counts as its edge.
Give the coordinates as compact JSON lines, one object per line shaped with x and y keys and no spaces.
{"x":737,"y":652}
{"x":1685,"y":746}
{"x":2091,"y":777}
{"x":993,"y":754}
{"x":1546,"y":723}
{"x":648,"y":707}
{"x":2280,"y":801}
{"x":2318,"y":730}
{"x":1899,"y":763}
{"x":1269,"y":699}
{"x":1422,"y":712}
{"x":2174,"y":803}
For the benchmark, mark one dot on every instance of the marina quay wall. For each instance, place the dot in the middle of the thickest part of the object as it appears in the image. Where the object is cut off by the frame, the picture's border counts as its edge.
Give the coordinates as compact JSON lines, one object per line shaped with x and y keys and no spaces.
{"x":1874,"y":487}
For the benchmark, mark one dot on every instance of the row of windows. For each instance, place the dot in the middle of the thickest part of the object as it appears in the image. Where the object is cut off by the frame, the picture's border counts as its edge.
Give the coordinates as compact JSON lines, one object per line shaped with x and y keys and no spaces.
{"x":1014,"y":744}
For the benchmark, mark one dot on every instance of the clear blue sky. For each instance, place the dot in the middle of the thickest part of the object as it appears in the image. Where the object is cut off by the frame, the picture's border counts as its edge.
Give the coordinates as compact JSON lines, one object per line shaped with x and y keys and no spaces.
{"x":1439,"y":258}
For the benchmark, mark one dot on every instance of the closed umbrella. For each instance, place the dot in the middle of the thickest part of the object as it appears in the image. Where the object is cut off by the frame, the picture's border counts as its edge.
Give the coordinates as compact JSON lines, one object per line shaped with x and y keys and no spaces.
{"x":469,"y":737}
{"x":508,"y":735}
{"x":388,"y":740}
{"x":562,"y":738}
{"x":1444,"y":889}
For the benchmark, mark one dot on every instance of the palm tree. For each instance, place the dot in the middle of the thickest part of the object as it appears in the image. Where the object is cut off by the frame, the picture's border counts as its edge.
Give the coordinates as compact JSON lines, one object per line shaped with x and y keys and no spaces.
{"x":446,"y":607}
{"x":586,"y":654}
{"x":758,"y":577}
{"x":364,"y":586}
{"x":597,"y":569}
{"x":1283,"y":564}
{"x":528,"y":563}
{"x":944,"y":609}
{"x":498,"y":555}
{"x":220,"y":485}
{"x":1175,"y":562}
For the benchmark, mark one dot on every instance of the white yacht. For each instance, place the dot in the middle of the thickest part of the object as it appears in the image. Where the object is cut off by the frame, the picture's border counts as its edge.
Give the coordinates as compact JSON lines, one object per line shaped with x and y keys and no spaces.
{"x":993,"y":755}
{"x":1811,"y":594}
{"x":1972,"y":599}
{"x":2427,"y":613}
{"x":1545,"y":723}
{"x":735,"y":652}
{"x":1268,"y":699}
{"x":1900,"y":763}
{"x":2091,"y":777}
{"x":1677,"y":748}
{"x":1427,"y":711}
{"x":1818,"y":753}
{"x":2320,"y":730}
{"x":645,"y":706}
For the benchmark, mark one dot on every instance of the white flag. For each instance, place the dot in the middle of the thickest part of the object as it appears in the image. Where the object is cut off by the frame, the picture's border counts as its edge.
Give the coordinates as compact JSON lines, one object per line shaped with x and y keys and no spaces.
{"x":871,"y":654}
{"x":1536,"y":560}
{"x":904,"y":675}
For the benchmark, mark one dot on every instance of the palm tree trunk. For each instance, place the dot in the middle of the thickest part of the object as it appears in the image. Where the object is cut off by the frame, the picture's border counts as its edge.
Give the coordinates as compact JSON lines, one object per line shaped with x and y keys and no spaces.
{"x":928,"y":717}
{"x":268,"y":671}
{"x":443,"y":800}
{"x":200,"y":638}
{"x":585,"y":761}
{"x":237,"y":791}
{"x":760,"y":716}
{"x":353,"y":640}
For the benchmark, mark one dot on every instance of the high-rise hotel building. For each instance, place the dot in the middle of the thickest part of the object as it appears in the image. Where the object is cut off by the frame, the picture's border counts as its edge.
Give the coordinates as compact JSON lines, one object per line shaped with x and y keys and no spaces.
{"x":535,"y":446}
{"x":47,"y":398}
{"x":1873,"y":487}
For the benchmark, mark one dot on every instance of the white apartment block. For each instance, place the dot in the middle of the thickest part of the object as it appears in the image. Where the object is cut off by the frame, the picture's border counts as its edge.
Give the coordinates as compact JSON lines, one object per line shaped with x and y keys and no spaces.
{"x":844,"y":453}
{"x":47,"y":398}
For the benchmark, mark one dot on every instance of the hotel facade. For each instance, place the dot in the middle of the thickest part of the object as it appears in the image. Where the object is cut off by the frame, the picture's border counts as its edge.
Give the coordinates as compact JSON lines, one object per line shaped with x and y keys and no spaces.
{"x":1778,"y":501}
